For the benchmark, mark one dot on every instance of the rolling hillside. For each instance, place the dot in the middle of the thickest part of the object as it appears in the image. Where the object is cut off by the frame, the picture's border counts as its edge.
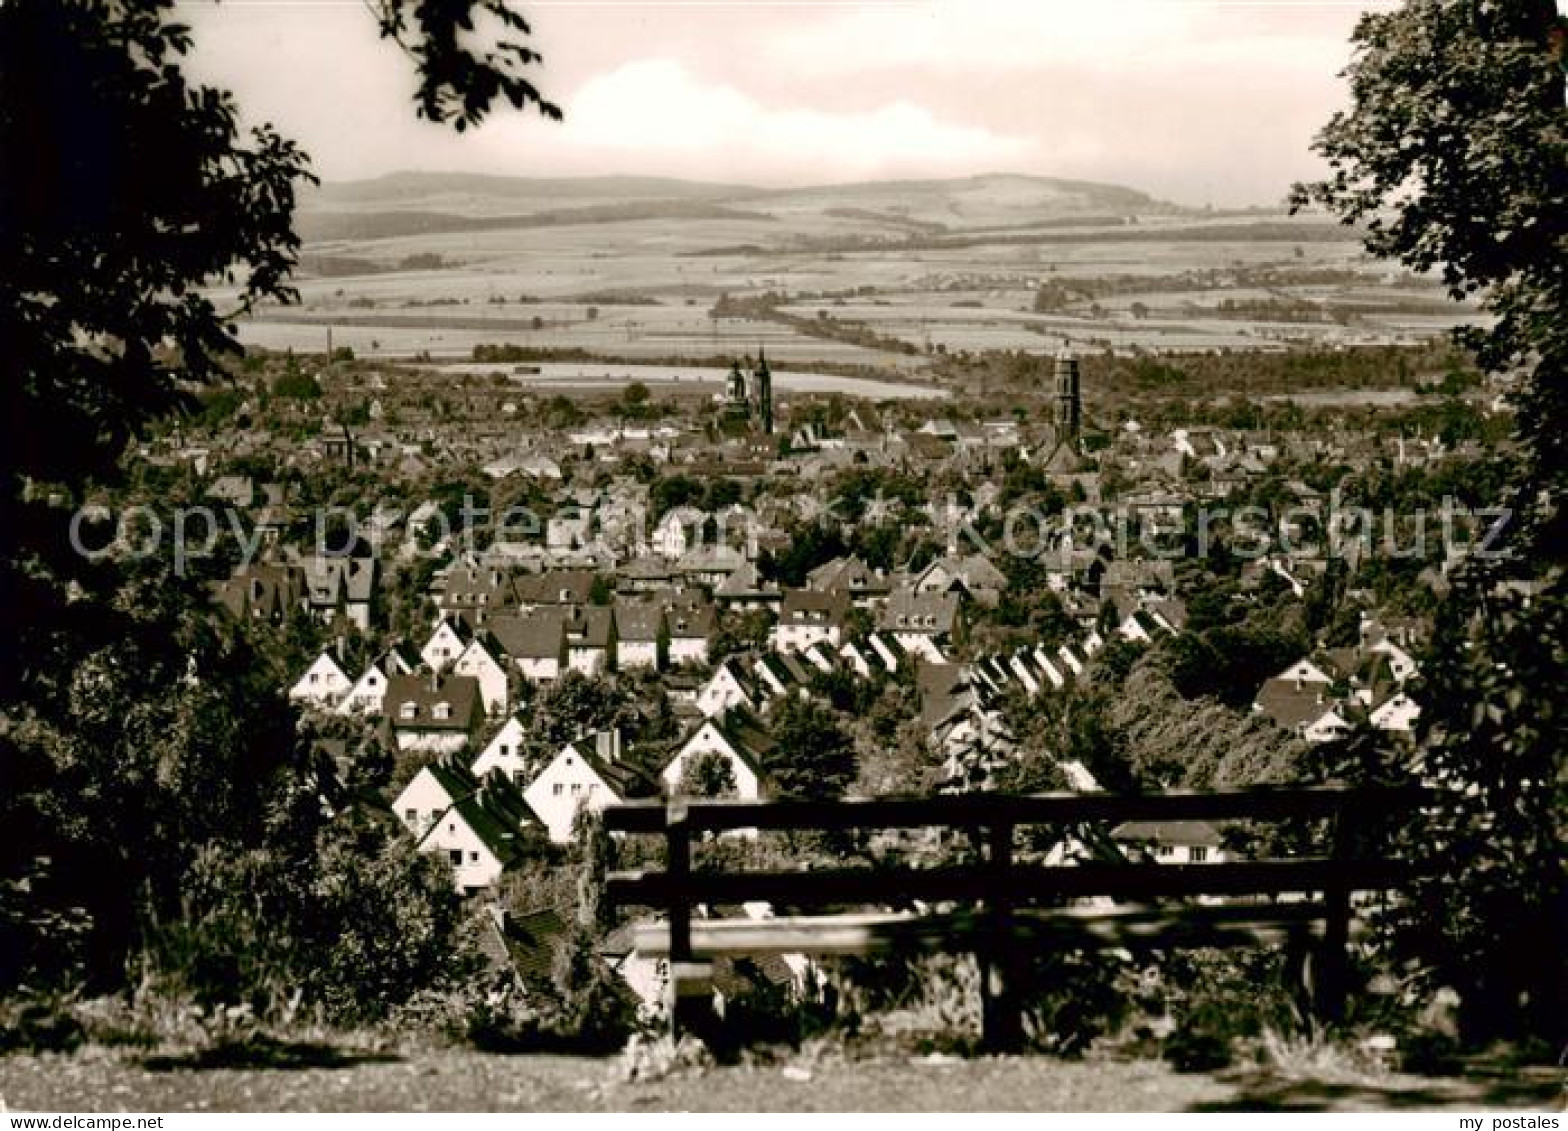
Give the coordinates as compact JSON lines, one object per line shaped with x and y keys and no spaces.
{"x":414,"y":204}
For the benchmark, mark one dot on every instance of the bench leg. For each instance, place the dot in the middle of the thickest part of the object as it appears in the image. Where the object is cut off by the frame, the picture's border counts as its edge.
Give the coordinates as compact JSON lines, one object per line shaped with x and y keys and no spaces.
{"x":1332,"y":961}
{"x":1001,"y":1017}
{"x":691,"y":999}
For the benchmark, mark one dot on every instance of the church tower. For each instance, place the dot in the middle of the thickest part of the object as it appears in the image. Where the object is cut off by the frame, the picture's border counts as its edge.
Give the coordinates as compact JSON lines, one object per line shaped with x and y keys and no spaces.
{"x":1069,"y":398}
{"x":762,"y":383}
{"x":735,"y":388}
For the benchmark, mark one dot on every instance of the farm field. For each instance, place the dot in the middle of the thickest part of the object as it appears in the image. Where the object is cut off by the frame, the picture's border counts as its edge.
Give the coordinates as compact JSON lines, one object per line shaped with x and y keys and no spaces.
{"x":708,"y":380}
{"x":877,"y":276}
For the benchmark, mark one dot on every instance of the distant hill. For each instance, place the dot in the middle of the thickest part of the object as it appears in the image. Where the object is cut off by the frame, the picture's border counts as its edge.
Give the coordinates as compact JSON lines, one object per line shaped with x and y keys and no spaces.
{"x":368,"y":224}
{"x":405,"y":187}
{"x":416,"y":203}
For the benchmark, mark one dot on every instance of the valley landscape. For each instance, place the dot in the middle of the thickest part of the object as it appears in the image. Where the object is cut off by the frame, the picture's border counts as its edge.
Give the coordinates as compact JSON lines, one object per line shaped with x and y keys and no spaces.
{"x":882,"y":279}
{"x":777,"y":614}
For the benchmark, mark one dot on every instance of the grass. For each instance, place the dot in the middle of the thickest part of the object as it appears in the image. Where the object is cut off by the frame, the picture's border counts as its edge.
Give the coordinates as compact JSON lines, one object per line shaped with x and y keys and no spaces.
{"x":452,"y":1080}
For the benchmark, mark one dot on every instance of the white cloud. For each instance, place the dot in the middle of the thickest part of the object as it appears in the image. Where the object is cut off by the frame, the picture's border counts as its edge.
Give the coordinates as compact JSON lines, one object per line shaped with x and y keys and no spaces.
{"x":979,"y":35}
{"x":655,"y":111}
{"x":1189,"y":99}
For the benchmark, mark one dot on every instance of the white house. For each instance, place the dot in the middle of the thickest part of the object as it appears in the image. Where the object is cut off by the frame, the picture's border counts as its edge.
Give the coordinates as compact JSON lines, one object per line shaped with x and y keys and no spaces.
{"x":1401,"y":665}
{"x":738,"y":743}
{"x":447,"y":642}
{"x":819,"y":658}
{"x":431,"y":792}
{"x":503,"y":753}
{"x":1397,"y":713}
{"x":483,"y":660}
{"x":887,"y":652}
{"x":590,"y":640}
{"x":729,"y":686}
{"x":480,"y":834}
{"x":646,"y":975}
{"x":1133,"y":629}
{"x":1327,"y":727}
{"x":855,"y":659}
{"x":1041,"y":658}
{"x":368,"y":695}
{"x":323,"y":685}
{"x":1304,"y":671}
{"x":1025,"y":676}
{"x":1173,"y":842}
{"x":641,"y":635}
{"x":433,"y":714}
{"x":689,"y":629}
{"x":671,"y":537}
{"x":807,"y":618}
{"x":535,"y":642}
{"x":573,"y":780}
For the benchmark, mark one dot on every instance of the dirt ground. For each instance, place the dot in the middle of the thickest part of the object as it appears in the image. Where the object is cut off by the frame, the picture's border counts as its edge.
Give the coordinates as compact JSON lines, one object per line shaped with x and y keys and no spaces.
{"x":329,"y":1080}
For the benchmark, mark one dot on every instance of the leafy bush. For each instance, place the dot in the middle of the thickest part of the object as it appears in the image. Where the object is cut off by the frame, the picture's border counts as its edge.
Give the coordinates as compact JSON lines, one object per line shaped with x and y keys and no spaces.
{"x":1221,"y":1001}
{"x":1075,"y":998}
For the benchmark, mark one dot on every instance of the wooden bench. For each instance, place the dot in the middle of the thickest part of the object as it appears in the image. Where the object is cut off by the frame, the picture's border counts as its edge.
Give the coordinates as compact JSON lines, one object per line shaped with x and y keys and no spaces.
{"x":996,"y":906}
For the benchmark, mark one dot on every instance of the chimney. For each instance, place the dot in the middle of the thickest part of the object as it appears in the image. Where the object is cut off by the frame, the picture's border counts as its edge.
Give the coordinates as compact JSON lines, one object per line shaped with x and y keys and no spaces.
{"x":607,"y":744}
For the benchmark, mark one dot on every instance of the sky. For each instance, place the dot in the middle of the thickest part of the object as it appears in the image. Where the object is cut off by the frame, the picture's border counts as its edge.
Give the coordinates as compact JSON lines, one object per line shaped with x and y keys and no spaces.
{"x":1194,"y":101}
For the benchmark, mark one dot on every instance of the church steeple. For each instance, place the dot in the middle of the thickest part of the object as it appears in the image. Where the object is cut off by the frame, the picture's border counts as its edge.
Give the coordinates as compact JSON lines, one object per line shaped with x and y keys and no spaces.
{"x":762,"y":381}
{"x":1069,"y":397}
{"x":736,"y":391}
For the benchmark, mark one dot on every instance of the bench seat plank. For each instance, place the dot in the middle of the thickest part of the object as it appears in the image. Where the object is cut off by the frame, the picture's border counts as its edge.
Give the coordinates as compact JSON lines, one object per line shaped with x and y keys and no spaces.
{"x":880,"y":932}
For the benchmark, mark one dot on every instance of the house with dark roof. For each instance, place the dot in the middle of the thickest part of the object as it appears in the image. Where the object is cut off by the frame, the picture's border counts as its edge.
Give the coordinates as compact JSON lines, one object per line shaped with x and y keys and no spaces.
{"x":534,"y":641}
{"x":690,"y":626}
{"x":431,"y":792}
{"x":448,"y":640}
{"x":641,"y":635}
{"x":433,"y":713}
{"x":644,"y":574}
{"x":924,"y":624}
{"x":734,"y":738}
{"x":476,"y":593}
{"x":533,"y":940}
{"x":709,"y":565}
{"x":266,"y":592}
{"x":850,"y":575}
{"x":555,"y":587}
{"x":481,"y":834}
{"x":590,"y":639}
{"x":486,"y":661}
{"x":745,"y":591}
{"x":340,"y":588}
{"x":1172,"y":842}
{"x":1302,"y":706}
{"x":969,"y":575}
{"x":323,"y":685}
{"x":807,"y":617}
{"x":583,"y":776}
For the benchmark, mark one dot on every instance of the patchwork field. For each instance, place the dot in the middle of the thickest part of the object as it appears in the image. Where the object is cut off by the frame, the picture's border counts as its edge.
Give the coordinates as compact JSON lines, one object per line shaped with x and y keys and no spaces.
{"x":880,"y":277}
